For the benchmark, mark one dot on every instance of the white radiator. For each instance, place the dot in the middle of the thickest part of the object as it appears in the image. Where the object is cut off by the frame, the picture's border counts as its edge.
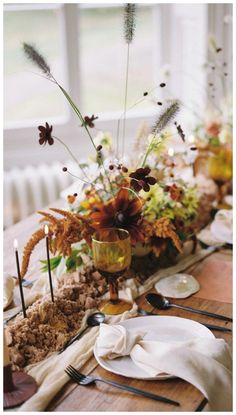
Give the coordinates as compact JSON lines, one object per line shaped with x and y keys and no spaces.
{"x":32,"y":188}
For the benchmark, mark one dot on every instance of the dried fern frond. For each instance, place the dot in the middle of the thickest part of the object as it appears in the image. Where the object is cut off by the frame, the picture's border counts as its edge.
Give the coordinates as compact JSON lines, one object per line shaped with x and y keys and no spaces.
{"x":166,"y":117}
{"x":63,"y":233}
{"x":34,"y":56}
{"x":72,"y":217}
{"x":28,"y":249}
{"x":47,"y":216}
{"x":129,"y":22}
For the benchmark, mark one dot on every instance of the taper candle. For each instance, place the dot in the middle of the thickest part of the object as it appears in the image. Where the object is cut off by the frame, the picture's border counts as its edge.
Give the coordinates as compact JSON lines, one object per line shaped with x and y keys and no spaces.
{"x":19,"y":278}
{"x":48,"y":260}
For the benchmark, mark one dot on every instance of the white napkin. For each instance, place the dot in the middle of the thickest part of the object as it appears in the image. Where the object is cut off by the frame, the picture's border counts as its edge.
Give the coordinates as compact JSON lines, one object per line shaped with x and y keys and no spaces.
{"x":229,"y":200}
{"x":222,"y":226}
{"x":220,"y":231}
{"x":8,"y":290}
{"x":205,"y":363}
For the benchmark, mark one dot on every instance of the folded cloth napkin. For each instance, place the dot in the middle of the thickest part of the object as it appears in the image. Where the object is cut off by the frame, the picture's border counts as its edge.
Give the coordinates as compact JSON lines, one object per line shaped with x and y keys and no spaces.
{"x":8,"y":290}
{"x":205,"y":363}
{"x":222,"y":226}
{"x":220,"y":231}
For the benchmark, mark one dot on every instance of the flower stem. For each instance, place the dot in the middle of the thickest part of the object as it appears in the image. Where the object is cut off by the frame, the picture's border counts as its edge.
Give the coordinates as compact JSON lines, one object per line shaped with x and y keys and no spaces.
{"x":78,"y":113}
{"x":139,"y":101}
{"x":117,"y":138}
{"x":147,"y":152}
{"x":82,"y":180}
{"x":72,"y":155}
{"x":132,"y":191}
{"x":125,"y":103}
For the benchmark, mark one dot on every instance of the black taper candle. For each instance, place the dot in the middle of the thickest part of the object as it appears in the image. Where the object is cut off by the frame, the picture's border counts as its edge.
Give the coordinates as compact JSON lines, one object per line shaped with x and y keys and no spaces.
{"x":20,"y":282}
{"x":49,"y":268}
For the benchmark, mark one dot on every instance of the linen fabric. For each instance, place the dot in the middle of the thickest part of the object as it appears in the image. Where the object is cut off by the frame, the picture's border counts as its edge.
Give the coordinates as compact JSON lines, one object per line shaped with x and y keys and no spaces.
{"x":205,"y":363}
{"x":8,"y":289}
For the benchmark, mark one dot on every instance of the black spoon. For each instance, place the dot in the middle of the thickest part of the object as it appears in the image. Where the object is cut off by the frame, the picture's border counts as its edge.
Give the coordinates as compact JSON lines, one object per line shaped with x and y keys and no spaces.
{"x":209,"y":326}
{"x":93,"y":320}
{"x":158,"y":301}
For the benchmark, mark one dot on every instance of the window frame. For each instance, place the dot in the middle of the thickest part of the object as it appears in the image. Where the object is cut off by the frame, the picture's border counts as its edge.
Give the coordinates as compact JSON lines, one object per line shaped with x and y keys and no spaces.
{"x":68,"y":126}
{"x":68,"y":130}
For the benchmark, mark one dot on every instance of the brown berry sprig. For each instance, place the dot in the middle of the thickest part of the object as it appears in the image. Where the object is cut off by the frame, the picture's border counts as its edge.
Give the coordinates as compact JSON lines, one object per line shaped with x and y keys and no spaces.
{"x":118,"y":167}
{"x":99,"y":153}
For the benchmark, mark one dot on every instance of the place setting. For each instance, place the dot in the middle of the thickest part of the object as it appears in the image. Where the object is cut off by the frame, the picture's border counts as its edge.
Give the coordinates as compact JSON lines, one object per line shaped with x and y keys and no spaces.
{"x":118,"y":245}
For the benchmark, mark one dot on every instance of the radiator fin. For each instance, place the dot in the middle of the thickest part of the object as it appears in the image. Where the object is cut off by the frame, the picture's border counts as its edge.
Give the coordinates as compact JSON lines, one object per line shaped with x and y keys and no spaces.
{"x":32,"y":188}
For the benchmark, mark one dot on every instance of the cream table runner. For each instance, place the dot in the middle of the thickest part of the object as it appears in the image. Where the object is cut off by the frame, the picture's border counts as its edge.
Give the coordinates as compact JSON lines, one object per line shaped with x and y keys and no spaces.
{"x":131,"y":288}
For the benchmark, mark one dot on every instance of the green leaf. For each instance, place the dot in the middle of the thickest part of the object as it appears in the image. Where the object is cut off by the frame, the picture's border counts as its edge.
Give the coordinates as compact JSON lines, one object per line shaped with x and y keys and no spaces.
{"x":182,"y":236}
{"x":71,"y":263}
{"x":215,"y":141}
{"x":54,"y":262}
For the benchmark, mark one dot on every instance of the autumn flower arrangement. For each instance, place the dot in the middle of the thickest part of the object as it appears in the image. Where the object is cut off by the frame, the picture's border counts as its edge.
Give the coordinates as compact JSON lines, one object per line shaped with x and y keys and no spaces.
{"x":157,"y":214}
{"x":214,"y":133}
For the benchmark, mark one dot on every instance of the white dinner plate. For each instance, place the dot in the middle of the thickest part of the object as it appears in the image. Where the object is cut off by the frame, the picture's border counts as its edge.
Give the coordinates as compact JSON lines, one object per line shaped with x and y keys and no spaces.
{"x":162,"y":328}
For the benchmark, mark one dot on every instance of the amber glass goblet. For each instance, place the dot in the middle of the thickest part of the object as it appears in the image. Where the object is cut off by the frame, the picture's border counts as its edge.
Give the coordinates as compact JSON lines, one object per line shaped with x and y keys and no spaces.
{"x":112,"y":256}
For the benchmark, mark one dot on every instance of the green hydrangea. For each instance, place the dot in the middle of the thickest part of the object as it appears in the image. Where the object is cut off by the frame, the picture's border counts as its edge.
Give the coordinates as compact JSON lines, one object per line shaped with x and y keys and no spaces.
{"x":158,"y":204}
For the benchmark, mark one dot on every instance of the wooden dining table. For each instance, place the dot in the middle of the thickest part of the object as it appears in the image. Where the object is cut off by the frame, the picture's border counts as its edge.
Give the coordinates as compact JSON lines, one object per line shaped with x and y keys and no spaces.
{"x":214,"y":274}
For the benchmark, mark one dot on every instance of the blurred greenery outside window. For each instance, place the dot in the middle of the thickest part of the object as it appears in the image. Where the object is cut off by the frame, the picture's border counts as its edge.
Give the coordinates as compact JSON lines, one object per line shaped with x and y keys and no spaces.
{"x":28,"y":97}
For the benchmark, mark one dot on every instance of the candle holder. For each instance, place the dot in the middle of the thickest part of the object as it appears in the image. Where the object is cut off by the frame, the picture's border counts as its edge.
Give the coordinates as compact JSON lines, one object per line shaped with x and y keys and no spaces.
{"x":17,"y":387}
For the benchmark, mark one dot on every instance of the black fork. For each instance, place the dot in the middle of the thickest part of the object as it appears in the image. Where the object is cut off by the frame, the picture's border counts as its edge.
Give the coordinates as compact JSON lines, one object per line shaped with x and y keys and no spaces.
{"x":84,"y":380}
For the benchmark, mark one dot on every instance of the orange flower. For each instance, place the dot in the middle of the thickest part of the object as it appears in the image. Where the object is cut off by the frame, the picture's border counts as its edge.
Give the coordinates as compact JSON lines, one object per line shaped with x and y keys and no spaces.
{"x":176,"y":193}
{"x":71,"y":198}
{"x":120,"y":212}
{"x":213,"y":129}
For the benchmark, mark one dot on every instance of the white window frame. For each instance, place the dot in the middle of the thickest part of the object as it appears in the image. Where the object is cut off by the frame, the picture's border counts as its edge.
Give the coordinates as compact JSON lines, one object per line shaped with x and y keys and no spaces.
{"x":69,"y":130}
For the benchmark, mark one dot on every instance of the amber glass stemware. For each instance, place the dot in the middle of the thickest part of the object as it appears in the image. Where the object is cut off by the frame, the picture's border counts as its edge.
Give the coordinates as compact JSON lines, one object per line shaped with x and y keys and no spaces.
{"x":112,"y":256}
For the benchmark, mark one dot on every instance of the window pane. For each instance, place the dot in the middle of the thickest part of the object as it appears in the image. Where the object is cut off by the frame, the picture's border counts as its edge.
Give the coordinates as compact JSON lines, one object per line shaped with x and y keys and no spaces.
{"x":103,"y":58}
{"x":27,"y":95}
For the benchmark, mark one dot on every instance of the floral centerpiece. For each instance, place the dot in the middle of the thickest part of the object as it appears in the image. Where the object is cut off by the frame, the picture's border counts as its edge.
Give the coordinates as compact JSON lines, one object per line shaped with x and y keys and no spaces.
{"x":214,"y":135}
{"x":158,"y":213}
